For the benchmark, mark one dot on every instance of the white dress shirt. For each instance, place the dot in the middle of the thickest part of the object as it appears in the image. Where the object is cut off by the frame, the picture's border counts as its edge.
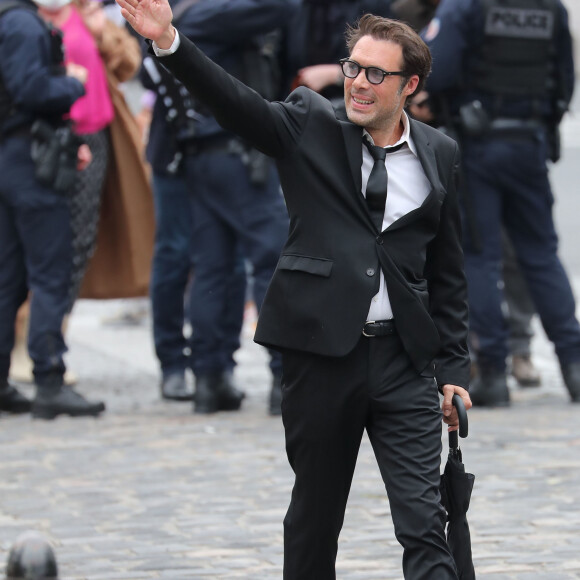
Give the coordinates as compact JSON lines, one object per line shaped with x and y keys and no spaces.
{"x":407,"y":189}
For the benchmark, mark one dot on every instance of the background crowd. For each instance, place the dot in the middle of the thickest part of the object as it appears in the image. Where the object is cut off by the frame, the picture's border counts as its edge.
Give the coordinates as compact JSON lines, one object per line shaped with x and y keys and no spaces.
{"x":173,"y":207}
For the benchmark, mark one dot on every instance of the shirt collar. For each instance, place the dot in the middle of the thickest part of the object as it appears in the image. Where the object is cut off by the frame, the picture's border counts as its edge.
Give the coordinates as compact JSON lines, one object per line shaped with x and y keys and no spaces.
{"x":405,"y":137}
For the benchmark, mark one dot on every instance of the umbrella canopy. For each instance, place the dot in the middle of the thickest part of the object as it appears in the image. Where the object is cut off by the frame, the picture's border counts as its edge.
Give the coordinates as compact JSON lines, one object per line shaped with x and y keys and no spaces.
{"x":456,"y":487}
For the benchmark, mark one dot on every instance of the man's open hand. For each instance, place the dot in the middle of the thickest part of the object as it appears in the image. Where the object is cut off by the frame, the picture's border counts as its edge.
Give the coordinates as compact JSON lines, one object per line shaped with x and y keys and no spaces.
{"x":150,"y":18}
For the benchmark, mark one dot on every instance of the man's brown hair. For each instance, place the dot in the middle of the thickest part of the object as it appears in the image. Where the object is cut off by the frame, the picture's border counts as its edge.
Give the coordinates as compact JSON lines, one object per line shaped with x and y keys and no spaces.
{"x":416,"y":55}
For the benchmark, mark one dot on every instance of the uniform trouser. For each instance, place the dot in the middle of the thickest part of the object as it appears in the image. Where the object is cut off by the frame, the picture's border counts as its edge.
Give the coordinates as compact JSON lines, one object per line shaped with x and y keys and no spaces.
{"x":507,"y":181}
{"x":170,"y":277}
{"x":327,"y":403}
{"x":519,"y":303}
{"x":231,"y":215}
{"x":35,"y":255}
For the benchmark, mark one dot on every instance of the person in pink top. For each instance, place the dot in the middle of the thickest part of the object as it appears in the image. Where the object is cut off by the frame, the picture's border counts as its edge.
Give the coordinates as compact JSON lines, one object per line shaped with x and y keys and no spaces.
{"x":83,"y":23}
{"x":93,"y":112}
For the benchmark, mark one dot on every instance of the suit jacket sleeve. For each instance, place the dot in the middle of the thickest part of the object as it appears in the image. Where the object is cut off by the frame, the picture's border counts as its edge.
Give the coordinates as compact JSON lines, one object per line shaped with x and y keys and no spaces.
{"x":448,"y":288}
{"x":269,"y":127}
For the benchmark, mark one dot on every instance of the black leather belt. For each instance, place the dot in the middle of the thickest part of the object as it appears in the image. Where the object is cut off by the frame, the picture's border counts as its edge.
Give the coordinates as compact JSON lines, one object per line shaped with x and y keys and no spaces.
{"x":379,"y":328}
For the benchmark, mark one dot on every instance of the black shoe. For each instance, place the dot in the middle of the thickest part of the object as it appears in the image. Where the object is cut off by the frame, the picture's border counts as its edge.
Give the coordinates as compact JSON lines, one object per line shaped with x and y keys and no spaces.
{"x":571,"y":375}
{"x":174,"y":387}
{"x":205,"y":399}
{"x":215,"y":392}
{"x":12,"y":401}
{"x":490,"y":389}
{"x":52,"y":401}
{"x":32,"y":557}
{"x":275,"y":401}
{"x":229,"y":396}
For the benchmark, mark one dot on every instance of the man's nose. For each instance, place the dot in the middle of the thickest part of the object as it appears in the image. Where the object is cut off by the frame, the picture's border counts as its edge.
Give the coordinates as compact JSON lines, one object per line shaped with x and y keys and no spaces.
{"x":360,"y":80}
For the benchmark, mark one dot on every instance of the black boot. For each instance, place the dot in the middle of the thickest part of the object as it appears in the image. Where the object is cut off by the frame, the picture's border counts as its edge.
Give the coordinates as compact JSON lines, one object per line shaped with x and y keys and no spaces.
{"x":490,"y":389}
{"x":31,"y":558}
{"x":216,"y":392}
{"x":205,"y":399}
{"x":11,"y":400}
{"x":275,"y":402}
{"x":229,"y":396}
{"x":571,"y":376}
{"x":53,"y":399}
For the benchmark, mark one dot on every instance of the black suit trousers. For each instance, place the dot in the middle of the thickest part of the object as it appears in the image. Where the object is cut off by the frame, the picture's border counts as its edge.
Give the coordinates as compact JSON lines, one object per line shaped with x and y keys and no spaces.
{"x":327,"y":404}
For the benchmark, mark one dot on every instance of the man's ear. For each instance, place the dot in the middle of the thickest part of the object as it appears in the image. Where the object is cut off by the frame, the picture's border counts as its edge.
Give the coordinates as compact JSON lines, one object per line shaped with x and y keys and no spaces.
{"x":411,"y":85}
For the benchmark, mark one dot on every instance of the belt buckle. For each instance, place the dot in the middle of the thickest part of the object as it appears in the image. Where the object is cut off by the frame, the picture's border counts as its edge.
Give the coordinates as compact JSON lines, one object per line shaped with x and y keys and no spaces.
{"x":364,"y":333}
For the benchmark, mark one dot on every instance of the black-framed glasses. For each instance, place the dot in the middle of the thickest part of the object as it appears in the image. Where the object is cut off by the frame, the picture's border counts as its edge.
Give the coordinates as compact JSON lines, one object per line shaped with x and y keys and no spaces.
{"x":375,"y":75}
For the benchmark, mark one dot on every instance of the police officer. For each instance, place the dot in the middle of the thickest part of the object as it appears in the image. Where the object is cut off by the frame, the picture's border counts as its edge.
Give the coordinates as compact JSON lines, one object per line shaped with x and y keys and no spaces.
{"x":503,"y":71}
{"x":236,"y":202}
{"x":35,"y":234}
{"x":172,"y":267}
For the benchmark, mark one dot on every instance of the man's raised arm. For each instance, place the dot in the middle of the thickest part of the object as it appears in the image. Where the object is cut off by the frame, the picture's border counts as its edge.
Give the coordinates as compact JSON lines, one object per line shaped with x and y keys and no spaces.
{"x":236,"y":107}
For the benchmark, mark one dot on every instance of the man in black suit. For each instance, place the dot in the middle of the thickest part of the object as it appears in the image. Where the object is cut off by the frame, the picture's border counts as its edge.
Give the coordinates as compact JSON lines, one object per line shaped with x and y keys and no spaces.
{"x":370,"y":314}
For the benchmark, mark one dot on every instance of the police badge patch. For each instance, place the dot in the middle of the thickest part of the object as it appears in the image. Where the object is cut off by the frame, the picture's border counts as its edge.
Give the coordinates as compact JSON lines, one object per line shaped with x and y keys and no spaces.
{"x":432,"y":30}
{"x":519,"y":23}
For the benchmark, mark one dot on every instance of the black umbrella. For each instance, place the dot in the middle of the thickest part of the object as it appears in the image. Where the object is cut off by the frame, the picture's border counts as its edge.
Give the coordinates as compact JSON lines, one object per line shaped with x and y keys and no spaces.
{"x":456,"y":486}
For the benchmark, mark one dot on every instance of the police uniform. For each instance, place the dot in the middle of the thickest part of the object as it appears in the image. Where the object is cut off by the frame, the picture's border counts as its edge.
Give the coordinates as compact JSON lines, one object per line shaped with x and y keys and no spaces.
{"x":503,"y":73}
{"x":35,"y":233}
{"x":237,"y":206}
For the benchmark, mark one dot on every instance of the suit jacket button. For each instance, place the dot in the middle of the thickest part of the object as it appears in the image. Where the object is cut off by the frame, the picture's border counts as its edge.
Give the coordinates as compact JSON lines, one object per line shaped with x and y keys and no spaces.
{"x":370,"y":272}
{"x":380,"y":240}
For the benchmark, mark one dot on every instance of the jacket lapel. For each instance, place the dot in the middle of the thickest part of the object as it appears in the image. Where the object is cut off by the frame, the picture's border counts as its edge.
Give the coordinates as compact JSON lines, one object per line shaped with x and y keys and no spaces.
{"x":352,"y":135}
{"x":429,"y":164}
{"x":426,"y":155}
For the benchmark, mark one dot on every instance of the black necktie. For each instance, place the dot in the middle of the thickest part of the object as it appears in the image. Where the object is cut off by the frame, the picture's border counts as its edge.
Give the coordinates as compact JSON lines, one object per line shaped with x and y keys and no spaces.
{"x":376,"y":193}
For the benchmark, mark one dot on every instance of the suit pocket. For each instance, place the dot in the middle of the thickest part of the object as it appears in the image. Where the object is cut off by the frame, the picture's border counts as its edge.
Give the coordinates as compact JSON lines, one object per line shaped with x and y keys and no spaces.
{"x":421,"y":291}
{"x":420,"y":286}
{"x":317,"y":266}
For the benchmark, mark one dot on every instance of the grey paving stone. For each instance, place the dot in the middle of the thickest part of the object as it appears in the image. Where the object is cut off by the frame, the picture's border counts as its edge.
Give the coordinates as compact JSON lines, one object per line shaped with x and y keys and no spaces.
{"x":150,"y":490}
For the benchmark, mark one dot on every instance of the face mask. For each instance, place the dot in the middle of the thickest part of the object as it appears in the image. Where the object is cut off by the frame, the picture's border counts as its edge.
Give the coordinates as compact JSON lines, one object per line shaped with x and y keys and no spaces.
{"x":52,"y":5}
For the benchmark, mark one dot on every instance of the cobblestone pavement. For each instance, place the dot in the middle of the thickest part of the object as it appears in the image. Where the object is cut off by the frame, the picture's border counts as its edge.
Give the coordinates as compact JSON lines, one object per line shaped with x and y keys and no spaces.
{"x":150,"y":490}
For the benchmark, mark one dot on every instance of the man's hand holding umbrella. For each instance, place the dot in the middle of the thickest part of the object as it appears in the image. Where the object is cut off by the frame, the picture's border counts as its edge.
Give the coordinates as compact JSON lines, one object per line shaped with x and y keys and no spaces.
{"x":449,"y":411}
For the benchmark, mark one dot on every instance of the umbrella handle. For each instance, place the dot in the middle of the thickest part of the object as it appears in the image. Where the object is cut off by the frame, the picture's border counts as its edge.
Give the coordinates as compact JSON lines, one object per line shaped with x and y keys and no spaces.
{"x":463,"y":423}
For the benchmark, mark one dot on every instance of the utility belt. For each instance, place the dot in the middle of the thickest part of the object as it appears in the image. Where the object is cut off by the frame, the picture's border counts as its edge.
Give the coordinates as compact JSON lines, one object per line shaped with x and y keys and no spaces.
{"x":515,"y":125}
{"x":18,"y":131}
{"x":475,"y":121}
{"x":54,"y":151}
{"x":257,"y":163}
{"x":220,"y":144}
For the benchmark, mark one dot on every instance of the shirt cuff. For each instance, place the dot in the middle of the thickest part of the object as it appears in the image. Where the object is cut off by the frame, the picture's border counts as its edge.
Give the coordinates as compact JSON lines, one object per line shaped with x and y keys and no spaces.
{"x":167,"y":51}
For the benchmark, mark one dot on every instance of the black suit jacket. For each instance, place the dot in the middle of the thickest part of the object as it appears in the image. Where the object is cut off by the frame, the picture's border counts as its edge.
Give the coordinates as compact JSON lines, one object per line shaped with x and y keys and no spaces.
{"x":319,"y":296}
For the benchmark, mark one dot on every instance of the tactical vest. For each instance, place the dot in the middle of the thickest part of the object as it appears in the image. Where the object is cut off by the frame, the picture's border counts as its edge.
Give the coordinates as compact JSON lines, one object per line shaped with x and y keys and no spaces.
{"x":7,"y":108}
{"x":258,"y":69}
{"x":518,"y":55}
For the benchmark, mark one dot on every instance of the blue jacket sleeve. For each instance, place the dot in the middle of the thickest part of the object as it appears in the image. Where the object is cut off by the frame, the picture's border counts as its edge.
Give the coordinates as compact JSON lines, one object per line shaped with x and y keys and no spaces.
{"x":224,"y":22}
{"x":25,"y":67}
{"x":451,"y":32}
{"x":564,"y":46}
